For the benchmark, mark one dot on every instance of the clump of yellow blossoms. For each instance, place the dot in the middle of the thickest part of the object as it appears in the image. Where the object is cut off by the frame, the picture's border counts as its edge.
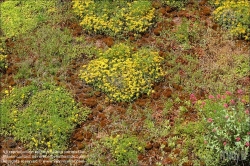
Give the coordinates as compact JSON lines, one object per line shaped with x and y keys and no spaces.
{"x":175,"y":3}
{"x":234,"y":16}
{"x":114,"y":18}
{"x":3,"y":57}
{"x":41,"y":116}
{"x":124,"y":148}
{"x":217,"y":3}
{"x":122,"y":73}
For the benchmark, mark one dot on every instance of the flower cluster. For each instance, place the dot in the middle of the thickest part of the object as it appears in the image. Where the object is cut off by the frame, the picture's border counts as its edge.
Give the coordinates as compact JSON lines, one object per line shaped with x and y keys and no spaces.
{"x":217,"y":3}
{"x":175,"y":3}
{"x":41,"y":118}
{"x":124,"y":148}
{"x":234,"y":16}
{"x":114,"y":18}
{"x":227,"y":121}
{"x":193,"y":98}
{"x":3,"y":57}
{"x":7,"y":91}
{"x":123,"y":74}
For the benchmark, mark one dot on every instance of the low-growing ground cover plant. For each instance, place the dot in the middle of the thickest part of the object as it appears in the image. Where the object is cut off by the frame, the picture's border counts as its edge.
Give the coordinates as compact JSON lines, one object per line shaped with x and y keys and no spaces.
{"x":234,"y":16}
{"x":124,"y":149}
{"x":122,"y":73}
{"x":186,"y":33}
{"x":226,"y":125}
{"x":179,"y":4}
{"x":114,"y":18}
{"x":118,"y":149}
{"x":3,"y":60}
{"x":50,"y":48}
{"x":46,"y":42}
{"x":18,"y":17}
{"x":42,"y":117}
{"x":187,"y":71}
{"x":164,"y":128}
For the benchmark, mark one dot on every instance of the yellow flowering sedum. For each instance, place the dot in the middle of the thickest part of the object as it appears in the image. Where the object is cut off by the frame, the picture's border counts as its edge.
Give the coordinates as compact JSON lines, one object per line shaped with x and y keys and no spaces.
{"x":124,"y":148}
{"x":18,"y":17}
{"x":114,"y":18}
{"x":234,"y":16}
{"x":3,"y":58}
{"x":123,"y":74}
{"x":175,"y":3}
{"x":34,"y":116}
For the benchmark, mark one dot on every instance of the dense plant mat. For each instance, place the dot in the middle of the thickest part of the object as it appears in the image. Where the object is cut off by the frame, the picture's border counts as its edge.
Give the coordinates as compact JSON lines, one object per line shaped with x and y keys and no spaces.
{"x":122,"y":73}
{"x":226,"y":124}
{"x":114,"y":18}
{"x":174,"y":94}
{"x":3,"y":60}
{"x":179,"y":4}
{"x":19,"y":17}
{"x":43,"y":118}
{"x":234,"y":16}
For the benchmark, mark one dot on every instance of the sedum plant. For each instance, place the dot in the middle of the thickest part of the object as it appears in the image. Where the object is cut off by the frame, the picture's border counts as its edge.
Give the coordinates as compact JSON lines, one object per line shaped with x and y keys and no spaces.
{"x":123,"y":74}
{"x":18,"y":16}
{"x":115,"y":150}
{"x":217,"y":3}
{"x":175,"y":3}
{"x":124,"y":148}
{"x":42,"y":118}
{"x":114,"y":18}
{"x":234,"y":16}
{"x":3,"y":60}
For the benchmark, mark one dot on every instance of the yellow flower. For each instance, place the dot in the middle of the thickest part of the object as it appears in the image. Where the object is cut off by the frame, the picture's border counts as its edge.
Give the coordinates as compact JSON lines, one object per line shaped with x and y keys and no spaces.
{"x":127,"y":74}
{"x":49,"y":144}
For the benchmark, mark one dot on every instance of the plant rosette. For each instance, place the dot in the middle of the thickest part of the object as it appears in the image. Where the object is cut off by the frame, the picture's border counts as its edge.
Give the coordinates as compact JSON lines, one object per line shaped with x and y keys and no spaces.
{"x":227,"y":123}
